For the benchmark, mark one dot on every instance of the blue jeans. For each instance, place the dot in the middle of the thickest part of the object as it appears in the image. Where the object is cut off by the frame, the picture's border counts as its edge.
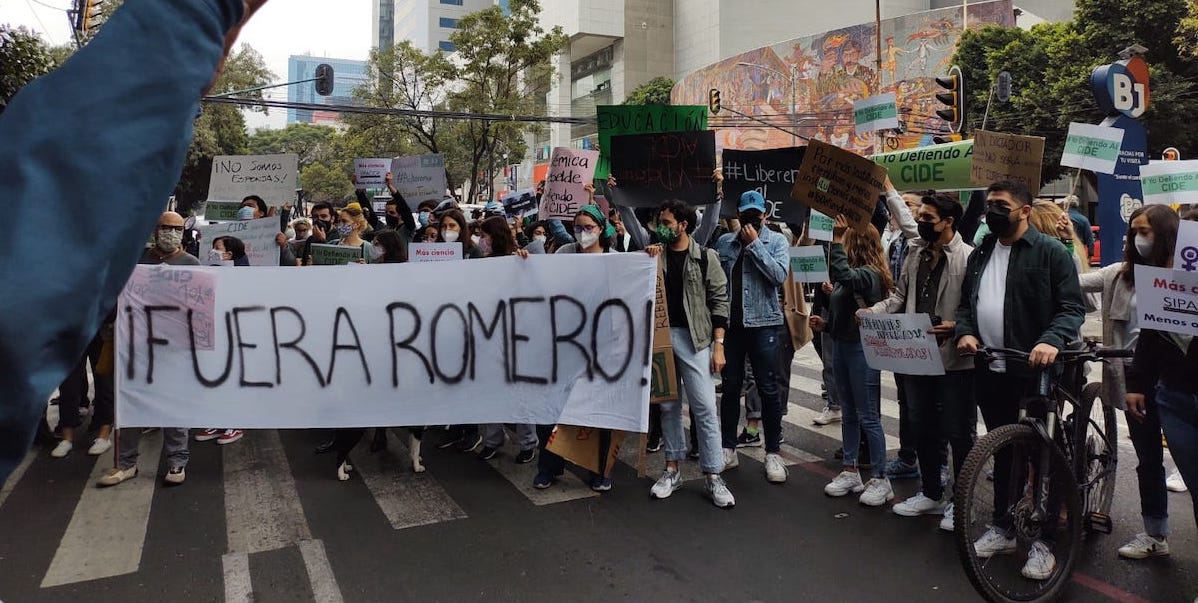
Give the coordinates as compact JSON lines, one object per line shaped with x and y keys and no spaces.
{"x":860,"y":389}
{"x":760,"y":346}
{"x":1179,"y":419}
{"x":694,"y":371}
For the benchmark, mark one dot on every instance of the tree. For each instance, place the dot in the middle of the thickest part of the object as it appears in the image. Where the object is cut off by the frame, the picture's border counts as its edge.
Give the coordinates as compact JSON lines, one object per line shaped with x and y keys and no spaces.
{"x":312,"y":143}
{"x":653,"y":92}
{"x":24,"y":56}
{"x":325,"y":183}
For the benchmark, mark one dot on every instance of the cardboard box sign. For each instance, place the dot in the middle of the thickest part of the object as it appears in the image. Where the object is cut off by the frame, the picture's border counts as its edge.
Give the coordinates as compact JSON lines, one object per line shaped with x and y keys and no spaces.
{"x":580,"y":445}
{"x":664,"y":386}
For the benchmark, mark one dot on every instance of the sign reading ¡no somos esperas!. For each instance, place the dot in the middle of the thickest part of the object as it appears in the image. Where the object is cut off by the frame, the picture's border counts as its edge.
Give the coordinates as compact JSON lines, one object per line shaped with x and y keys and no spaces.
{"x":272,"y":177}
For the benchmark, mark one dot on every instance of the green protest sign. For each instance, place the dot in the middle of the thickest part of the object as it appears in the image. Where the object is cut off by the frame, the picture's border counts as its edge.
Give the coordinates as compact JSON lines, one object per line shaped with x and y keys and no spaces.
{"x":615,"y":120}
{"x":335,"y":255}
{"x":944,"y":167}
{"x":221,"y":211}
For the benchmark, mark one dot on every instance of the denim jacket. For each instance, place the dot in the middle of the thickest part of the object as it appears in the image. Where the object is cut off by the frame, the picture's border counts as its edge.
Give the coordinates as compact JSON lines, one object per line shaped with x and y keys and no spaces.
{"x":765,"y":266}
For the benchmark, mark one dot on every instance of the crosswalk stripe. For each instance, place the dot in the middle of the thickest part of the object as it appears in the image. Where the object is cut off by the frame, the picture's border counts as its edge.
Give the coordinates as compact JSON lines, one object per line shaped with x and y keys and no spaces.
{"x":107,"y":531}
{"x":16,"y":475}
{"x":656,"y":463}
{"x":568,"y":487}
{"x":790,"y":455}
{"x":320,"y":573}
{"x":804,"y":418}
{"x":262,"y":507}
{"x":406,"y":498}
{"x":238,"y":585}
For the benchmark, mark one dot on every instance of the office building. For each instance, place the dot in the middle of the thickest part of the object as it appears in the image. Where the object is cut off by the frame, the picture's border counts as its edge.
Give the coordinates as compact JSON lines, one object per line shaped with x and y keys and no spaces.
{"x":348,"y":75}
{"x":382,"y":16}
{"x":429,"y":23}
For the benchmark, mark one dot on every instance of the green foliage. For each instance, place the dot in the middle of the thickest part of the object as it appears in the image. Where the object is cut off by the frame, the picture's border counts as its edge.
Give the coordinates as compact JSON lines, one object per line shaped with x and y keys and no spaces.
{"x":313,"y":144}
{"x":24,"y":56}
{"x":653,"y":92}
{"x":325,"y":183}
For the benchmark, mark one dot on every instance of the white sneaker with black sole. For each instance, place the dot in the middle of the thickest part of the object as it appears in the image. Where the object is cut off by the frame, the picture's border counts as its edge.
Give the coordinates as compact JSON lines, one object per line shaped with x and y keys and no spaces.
{"x":666,"y":484}
{"x":718,"y":490}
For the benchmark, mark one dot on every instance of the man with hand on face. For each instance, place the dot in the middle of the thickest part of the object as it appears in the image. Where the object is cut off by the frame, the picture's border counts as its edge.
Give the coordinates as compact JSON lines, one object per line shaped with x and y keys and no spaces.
{"x":755,"y":259}
{"x":1021,"y":291}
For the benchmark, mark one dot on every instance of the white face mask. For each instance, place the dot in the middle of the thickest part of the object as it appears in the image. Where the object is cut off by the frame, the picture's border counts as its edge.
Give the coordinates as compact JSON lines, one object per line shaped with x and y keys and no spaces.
{"x":290,"y":234}
{"x":450,"y":236}
{"x":588,"y":239}
{"x":1144,"y":245}
{"x":540,"y":238}
{"x":169,"y":241}
{"x":215,"y":257}
{"x":376,"y":252}
{"x":475,"y":239}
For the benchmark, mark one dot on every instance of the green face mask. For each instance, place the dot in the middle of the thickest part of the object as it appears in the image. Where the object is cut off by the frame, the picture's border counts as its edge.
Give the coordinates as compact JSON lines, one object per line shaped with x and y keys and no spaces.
{"x":666,"y":235}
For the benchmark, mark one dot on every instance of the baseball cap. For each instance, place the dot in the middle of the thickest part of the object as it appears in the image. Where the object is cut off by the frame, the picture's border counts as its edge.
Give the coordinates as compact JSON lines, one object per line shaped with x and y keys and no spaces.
{"x":751,"y":200}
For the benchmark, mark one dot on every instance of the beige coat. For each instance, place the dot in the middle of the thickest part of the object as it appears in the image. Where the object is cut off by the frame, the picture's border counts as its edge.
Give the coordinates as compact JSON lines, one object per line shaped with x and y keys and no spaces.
{"x":1117,"y":310}
{"x":948,"y":296}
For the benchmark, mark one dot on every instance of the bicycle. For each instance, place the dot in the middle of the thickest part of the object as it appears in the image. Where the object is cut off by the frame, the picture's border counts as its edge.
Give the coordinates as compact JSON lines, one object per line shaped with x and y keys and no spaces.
{"x":1060,"y":478}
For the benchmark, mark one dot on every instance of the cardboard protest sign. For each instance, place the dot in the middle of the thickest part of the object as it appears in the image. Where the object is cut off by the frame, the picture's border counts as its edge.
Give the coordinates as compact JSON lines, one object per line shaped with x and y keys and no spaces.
{"x":419,"y":178}
{"x":615,"y":120}
{"x":1000,"y":156}
{"x":324,"y":254}
{"x":664,"y":382}
{"x":1092,"y":147}
{"x":520,"y":202}
{"x":651,"y":168}
{"x":1170,"y":182}
{"x":272,"y":177}
{"x":1167,"y":300}
{"x":875,"y":113}
{"x":489,"y":345}
{"x":901,"y":343}
{"x":943,"y":167}
{"x":770,"y":172}
{"x":808,"y":264}
{"x":192,"y":291}
{"x":835,"y":181}
{"x":372,"y":173}
{"x":580,"y":445}
{"x":261,"y":248}
{"x":222,"y":211}
{"x":819,"y":226}
{"x":569,"y":171}
{"x":434,"y":252}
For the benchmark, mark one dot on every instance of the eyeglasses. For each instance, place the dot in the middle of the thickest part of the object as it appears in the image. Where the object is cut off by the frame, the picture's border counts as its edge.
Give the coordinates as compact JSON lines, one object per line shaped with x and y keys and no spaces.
{"x":170,"y":227}
{"x":586,"y":229}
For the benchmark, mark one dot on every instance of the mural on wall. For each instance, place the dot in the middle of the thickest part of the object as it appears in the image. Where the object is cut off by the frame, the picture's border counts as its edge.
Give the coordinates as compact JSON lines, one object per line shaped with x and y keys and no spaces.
{"x":831,"y":71}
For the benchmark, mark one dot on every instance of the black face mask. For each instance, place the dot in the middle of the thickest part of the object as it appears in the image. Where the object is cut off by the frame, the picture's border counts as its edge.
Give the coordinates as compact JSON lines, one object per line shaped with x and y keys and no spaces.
{"x":998,"y":218}
{"x":928,"y":232}
{"x":392,"y":221}
{"x":324,"y":225}
{"x":754,"y":221}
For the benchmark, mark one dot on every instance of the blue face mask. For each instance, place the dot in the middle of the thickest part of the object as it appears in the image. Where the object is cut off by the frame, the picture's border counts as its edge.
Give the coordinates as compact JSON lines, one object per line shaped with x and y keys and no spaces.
{"x":344,"y":229}
{"x":423,"y":219}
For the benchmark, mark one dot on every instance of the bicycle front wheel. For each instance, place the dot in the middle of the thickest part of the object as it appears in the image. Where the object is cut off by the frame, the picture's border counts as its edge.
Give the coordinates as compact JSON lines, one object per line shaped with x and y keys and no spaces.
{"x":1018,"y":517}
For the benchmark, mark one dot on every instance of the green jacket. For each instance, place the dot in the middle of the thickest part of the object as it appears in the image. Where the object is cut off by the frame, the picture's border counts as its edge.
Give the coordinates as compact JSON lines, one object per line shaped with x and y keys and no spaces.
{"x":1044,"y":301}
{"x":705,"y":296}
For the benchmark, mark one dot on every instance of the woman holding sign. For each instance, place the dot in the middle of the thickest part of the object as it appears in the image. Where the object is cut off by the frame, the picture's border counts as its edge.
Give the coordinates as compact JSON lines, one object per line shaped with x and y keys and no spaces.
{"x":861,"y":277}
{"x":454,"y":228}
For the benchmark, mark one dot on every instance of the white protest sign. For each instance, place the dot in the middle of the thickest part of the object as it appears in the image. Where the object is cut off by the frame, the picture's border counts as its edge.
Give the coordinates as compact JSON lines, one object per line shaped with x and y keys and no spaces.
{"x":1185,"y":254}
{"x":258,"y":235}
{"x":875,"y":113}
{"x":434,"y":252}
{"x":372,"y":173}
{"x":548,"y":339}
{"x":809,"y":264}
{"x":900,"y":343}
{"x":1092,"y":147}
{"x":419,"y":178}
{"x":569,"y":171}
{"x":819,"y":226}
{"x":1169,"y":182}
{"x":272,"y":177}
{"x":193,"y":291}
{"x":1167,"y":300}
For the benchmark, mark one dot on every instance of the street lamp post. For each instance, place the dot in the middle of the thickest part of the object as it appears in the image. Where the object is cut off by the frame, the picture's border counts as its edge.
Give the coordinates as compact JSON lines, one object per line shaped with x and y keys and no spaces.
{"x":794,"y":139}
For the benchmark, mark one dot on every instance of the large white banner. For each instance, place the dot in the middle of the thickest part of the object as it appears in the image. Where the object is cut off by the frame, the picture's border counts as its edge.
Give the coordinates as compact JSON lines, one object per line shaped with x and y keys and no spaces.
{"x":419,"y":178}
{"x":258,"y":235}
{"x":272,"y":177}
{"x":1167,"y":300}
{"x":544,"y":340}
{"x":901,"y":343}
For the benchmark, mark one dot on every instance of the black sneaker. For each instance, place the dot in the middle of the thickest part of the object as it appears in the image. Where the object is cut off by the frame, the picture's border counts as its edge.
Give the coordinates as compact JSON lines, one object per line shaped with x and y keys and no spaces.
{"x":488,"y":453}
{"x":452,"y":438}
{"x":470,"y":442}
{"x":526,"y":456}
{"x":653,"y":445}
{"x":748,"y":440}
{"x":693,"y":454}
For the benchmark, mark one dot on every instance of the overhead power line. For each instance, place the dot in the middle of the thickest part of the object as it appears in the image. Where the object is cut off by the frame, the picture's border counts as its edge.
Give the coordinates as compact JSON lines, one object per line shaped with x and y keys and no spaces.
{"x":398,"y":112}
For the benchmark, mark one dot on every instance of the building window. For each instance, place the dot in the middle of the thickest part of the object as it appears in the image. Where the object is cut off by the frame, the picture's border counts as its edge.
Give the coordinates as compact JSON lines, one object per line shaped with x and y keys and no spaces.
{"x":449,"y":23}
{"x":453,"y":2}
{"x":446,"y":45}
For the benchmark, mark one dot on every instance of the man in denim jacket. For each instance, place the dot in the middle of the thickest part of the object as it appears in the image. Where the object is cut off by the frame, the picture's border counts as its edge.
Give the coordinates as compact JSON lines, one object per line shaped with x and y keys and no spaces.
{"x":755,"y":260}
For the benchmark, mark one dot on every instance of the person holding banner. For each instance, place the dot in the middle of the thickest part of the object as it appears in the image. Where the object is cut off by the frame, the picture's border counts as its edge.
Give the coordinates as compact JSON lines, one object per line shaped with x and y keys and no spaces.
{"x":1021,"y":291}
{"x":258,"y":209}
{"x":861,"y":278}
{"x":453,"y":228}
{"x":942,"y":407}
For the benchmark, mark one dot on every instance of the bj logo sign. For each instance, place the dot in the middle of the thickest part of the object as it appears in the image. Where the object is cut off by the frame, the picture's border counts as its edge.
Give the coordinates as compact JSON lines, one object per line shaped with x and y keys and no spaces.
{"x":1122,"y":87}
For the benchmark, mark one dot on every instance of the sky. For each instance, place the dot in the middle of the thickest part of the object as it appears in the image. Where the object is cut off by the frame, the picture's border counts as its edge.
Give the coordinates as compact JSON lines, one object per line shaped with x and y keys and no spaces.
{"x":340,"y":29}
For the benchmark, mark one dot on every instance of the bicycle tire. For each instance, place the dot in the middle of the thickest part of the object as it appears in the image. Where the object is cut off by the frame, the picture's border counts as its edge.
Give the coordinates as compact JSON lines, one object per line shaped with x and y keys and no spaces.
{"x":972,"y":470}
{"x":1099,"y":495}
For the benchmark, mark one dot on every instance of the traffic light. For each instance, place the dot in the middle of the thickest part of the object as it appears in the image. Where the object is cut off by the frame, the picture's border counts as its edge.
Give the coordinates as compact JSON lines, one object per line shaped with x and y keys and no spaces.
{"x":88,"y":15}
{"x":324,"y":79}
{"x":713,"y":101}
{"x":954,"y":98}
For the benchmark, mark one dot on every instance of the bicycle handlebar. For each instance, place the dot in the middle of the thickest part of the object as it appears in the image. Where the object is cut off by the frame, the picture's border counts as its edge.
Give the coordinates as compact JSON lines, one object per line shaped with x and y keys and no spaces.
{"x":1091,"y":353}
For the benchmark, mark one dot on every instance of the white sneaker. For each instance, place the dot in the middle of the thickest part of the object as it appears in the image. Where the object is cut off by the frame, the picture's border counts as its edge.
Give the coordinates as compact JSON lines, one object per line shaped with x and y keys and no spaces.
{"x":827,"y":417}
{"x":877,"y":492}
{"x":666,"y":484}
{"x":719,"y":493}
{"x":116,"y":476}
{"x":947,"y":523}
{"x":62,"y":449}
{"x":1174,"y":482}
{"x":100,"y":446}
{"x":920,"y":505}
{"x":847,"y":481}
{"x":992,"y":543}
{"x":1040,"y":562}
{"x":730,"y":459}
{"x":1144,"y":546}
{"x":775,"y":469}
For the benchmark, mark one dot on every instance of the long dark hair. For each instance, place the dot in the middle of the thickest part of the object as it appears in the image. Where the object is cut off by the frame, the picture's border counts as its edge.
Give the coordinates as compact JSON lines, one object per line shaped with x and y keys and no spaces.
{"x":502,"y":242}
{"x":459,"y":218}
{"x":1164,"y":222}
{"x":394,"y":250}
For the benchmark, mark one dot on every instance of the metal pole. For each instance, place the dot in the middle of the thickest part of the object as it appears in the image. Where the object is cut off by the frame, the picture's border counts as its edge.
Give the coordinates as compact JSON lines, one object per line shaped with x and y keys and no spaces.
{"x":877,"y":63}
{"x":794,"y":123}
{"x":989,"y":100}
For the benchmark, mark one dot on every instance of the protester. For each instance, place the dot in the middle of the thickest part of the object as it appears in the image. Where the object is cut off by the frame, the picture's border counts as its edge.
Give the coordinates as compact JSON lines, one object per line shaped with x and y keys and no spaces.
{"x":756,"y":261}
{"x":453,"y":228}
{"x":696,"y":293}
{"x":72,"y":396}
{"x":1021,"y":291}
{"x":1052,"y":221}
{"x":350,"y":226}
{"x":229,"y":249}
{"x":900,"y":231}
{"x":941,"y":407}
{"x":398,"y":212}
{"x":254,"y":207}
{"x":1081,"y":224}
{"x":429,"y":234}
